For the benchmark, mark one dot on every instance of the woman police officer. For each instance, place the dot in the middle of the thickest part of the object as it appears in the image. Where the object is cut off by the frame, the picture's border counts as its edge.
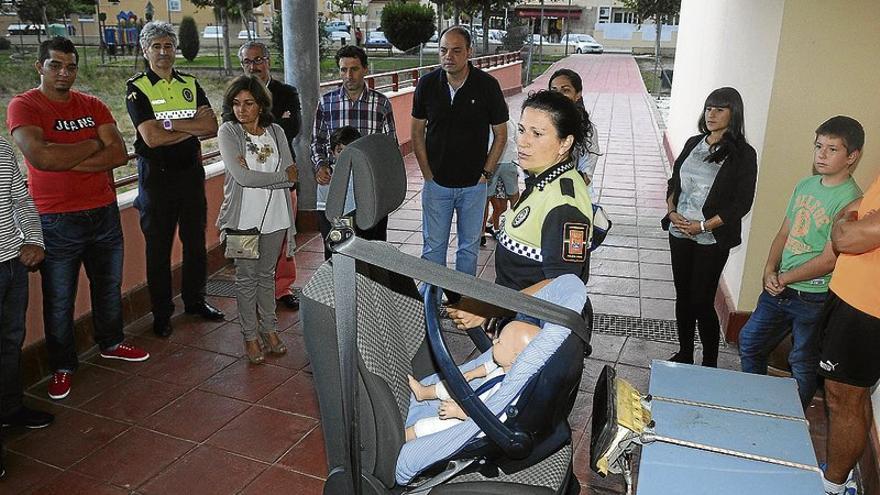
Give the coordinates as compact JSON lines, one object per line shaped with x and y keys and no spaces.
{"x":547,"y":233}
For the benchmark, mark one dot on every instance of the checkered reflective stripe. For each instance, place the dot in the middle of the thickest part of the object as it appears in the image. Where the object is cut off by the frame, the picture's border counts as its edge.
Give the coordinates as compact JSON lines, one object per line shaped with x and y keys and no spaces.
{"x":390,"y":328}
{"x":175,"y":114}
{"x":550,"y":472}
{"x":519,"y":248}
{"x":554,"y":174}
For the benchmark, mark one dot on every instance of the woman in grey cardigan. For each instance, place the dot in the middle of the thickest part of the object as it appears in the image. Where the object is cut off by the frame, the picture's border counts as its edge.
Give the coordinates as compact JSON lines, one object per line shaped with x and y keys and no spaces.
{"x":259,"y":171}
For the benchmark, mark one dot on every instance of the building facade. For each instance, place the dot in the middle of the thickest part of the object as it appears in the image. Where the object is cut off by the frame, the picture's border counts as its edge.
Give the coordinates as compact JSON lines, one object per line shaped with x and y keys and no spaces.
{"x":84,"y":28}
{"x":608,"y":21}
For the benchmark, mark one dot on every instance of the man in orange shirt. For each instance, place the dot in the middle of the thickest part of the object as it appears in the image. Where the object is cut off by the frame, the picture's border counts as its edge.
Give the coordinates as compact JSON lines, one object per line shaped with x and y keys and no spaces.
{"x":851,"y":336}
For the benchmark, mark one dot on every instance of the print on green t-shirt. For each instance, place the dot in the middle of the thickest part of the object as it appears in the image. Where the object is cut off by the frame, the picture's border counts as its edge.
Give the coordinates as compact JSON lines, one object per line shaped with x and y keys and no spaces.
{"x":811,"y":211}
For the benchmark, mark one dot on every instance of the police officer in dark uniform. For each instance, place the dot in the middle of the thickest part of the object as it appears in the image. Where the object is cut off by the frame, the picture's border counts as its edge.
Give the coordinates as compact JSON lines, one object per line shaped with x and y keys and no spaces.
{"x":171,"y":112}
{"x":548,"y":231}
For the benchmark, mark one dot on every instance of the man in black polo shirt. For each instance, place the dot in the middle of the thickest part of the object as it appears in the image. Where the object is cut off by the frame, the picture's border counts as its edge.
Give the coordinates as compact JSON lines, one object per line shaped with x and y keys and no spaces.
{"x":457,"y":104}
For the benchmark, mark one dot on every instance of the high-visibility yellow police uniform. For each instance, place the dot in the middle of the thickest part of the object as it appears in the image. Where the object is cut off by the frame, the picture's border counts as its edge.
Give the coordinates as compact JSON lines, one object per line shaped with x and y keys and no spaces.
{"x":548,"y":231}
{"x":171,"y":188}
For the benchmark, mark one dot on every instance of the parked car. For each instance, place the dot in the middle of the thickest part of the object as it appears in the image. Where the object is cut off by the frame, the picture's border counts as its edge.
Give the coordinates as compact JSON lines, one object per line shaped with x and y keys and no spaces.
{"x":583,"y":43}
{"x":25,"y":29}
{"x":243,"y":35}
{"x":496,"y":39}
{"x":213,"y":32}
{"x":495,"y":36}
{"x":341,"y":37}
{"x":332,"y":26}
{"x":536,"y":39}
{"x":377,"y":39}
{"x":432,"y":45}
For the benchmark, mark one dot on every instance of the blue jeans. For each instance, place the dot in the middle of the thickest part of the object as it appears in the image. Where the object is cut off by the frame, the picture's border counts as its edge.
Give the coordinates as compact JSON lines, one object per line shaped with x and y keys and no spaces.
{"x":13,"y":307}
{"x":438,"y":204}
{"x":794,"y":311}
{"x":93,"y":239}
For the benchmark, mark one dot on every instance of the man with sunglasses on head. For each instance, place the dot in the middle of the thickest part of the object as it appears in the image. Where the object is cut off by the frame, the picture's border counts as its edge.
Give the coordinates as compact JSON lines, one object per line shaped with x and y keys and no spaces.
{"x":287,"y":112}
{"x":71,"y":144}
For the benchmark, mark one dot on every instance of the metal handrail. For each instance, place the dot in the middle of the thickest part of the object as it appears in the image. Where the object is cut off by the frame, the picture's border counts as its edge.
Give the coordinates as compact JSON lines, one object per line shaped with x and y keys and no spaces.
{"x":484,"y":62}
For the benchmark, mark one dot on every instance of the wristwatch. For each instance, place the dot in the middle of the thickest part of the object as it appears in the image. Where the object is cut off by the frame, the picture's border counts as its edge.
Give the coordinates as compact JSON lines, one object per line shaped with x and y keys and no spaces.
{"x":166,"y":124}
{"x":702,"y":226}
{"x":488,"y":175}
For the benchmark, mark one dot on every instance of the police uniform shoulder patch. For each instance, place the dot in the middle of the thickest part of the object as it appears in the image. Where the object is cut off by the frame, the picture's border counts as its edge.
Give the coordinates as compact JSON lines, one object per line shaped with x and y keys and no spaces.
{"x":187,"y":94}
{"x":566,"y":186}
{"x":521,"y":216}
{"x":574,"y":242}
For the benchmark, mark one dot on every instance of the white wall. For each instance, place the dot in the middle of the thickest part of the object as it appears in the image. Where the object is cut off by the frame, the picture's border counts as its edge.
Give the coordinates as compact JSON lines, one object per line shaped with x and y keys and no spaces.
{"x":726,"y":43}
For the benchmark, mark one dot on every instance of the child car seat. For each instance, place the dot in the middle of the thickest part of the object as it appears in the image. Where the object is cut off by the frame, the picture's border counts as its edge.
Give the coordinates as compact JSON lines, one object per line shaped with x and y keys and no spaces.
{"x":364,"y":326}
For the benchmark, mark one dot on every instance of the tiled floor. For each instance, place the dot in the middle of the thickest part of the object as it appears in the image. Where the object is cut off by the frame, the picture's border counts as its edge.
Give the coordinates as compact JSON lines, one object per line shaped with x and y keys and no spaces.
{"x":197,"y":419}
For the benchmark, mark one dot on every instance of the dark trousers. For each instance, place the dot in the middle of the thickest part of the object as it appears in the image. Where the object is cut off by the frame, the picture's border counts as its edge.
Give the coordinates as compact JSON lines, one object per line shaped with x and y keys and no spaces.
{"x":91,"y":239}
{"x":378,"y":232}
{"x":170,"y":199}
{"x":696,"y":270}
{"x":13,"y":307}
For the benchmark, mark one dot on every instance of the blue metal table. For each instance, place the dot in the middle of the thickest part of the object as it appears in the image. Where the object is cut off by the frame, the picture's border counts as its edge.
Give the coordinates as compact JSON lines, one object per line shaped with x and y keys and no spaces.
{"x":778,"y":431}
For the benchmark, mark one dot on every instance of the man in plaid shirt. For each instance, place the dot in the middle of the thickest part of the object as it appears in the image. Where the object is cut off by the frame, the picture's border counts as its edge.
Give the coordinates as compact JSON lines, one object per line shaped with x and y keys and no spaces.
{"x":355,"y":105}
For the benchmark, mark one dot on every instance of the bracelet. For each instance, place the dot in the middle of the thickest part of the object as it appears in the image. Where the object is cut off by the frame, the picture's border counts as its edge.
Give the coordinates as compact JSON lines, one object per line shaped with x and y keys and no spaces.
{"x":702,"y":226}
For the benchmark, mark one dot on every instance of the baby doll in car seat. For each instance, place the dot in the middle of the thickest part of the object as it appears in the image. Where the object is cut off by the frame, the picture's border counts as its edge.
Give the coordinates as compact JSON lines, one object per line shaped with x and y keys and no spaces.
{"x":515,"y":336}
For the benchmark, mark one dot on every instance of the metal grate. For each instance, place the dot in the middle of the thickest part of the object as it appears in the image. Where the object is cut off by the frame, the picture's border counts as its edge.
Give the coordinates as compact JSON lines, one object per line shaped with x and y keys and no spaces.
{"x":220,"y":287}
{"x":641,"y":328}
{"x":633,"y":326}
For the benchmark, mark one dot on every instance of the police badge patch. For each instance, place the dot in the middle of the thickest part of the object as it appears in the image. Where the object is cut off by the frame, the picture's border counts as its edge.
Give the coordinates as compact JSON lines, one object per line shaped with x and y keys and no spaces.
{"x":574,"y":242}
{"x":187,"y":94}
{"x":521,"y":217}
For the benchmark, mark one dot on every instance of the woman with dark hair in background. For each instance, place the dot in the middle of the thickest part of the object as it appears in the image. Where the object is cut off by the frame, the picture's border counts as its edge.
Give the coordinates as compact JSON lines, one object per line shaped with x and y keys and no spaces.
{"x":568,"y":82}
{"x":711,"y":189}
{"x":258,"y":162}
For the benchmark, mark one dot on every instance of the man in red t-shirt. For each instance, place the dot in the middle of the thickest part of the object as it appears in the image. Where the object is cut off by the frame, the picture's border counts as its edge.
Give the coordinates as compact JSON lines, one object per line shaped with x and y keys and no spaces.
{"x":71,"y":144}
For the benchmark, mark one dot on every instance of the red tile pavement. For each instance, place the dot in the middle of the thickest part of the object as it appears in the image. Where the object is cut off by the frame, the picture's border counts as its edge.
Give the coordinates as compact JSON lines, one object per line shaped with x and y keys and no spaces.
{"x":205,"y":471}
{"x":197,"y":419}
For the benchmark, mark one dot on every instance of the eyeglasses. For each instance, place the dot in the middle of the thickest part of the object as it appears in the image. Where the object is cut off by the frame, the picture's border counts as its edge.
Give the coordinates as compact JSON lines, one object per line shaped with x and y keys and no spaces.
{"x":256,"y":61}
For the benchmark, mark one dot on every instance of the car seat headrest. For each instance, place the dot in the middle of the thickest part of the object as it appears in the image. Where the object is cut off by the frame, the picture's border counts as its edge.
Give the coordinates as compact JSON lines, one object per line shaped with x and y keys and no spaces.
{"x":379,"y":180}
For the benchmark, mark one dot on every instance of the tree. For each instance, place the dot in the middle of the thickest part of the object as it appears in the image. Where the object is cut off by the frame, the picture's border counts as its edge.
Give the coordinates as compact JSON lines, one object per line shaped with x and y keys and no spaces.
{"x":407,"y":25}
{"x":487,"y":7}
{"x":45,"y":11}
{"x":188,"y":38}
{"x":658,"y":10}
{"x":517,"y":33}
{"x":34,"y":12}
{"x":275,"y":35}
{"x":350,"y":7}
{"x":226,"y":10}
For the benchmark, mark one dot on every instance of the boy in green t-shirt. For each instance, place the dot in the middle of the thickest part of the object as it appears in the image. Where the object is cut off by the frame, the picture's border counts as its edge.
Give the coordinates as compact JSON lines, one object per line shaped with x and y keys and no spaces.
{"x":801,"y":259}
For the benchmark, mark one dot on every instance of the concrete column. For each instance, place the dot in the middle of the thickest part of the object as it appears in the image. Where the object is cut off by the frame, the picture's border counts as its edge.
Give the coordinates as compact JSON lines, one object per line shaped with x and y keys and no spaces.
{"x":299,"y":19}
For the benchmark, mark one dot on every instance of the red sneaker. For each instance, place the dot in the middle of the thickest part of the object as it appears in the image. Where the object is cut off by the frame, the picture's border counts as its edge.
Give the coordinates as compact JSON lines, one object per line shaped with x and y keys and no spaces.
{"x":126,"y":352}
{"x":59,"y":387}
